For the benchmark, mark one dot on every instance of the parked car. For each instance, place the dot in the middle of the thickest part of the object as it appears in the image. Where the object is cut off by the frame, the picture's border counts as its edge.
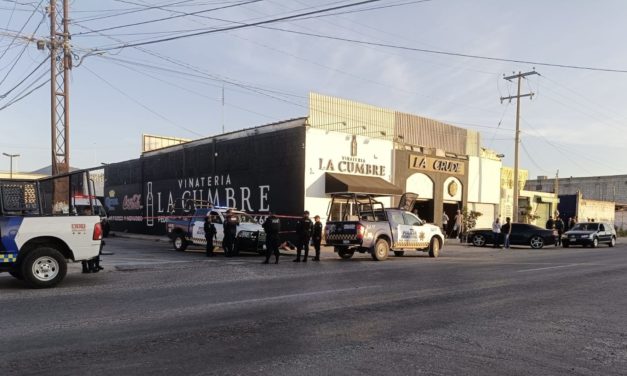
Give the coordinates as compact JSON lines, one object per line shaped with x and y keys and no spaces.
{"x":590,"y":234}
{"x":522,"y":234}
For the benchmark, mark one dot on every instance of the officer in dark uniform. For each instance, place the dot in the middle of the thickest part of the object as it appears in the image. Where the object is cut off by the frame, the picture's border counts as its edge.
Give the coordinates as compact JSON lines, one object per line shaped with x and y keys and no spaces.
{"x":272,"y":227}
{"x":230,"y":233}
{"x":303,"y":231}
{"x":210,"y":233}
{"x":316,"y":237}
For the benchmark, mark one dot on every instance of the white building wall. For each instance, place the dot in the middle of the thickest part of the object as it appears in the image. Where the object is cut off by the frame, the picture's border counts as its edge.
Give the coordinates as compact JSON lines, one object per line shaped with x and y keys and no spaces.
{"x":484,"y":188}
{"x":326,"y":150}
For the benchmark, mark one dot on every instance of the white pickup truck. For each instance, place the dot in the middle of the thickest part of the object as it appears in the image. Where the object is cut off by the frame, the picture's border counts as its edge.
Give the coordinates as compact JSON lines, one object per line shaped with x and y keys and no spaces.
{"x":40,"y":229}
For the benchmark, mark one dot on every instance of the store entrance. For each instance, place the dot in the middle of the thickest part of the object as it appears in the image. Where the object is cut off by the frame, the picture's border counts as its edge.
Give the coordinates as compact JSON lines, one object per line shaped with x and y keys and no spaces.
{"x":424,"y":209}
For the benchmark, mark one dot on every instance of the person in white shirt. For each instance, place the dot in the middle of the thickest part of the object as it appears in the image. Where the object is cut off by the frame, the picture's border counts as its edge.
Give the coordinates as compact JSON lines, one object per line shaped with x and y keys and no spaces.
{"x":496,"y":232}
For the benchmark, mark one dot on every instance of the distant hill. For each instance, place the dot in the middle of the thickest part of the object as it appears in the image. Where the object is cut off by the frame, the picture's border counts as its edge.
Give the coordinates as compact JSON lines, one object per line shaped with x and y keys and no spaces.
{"x":48,"y":170}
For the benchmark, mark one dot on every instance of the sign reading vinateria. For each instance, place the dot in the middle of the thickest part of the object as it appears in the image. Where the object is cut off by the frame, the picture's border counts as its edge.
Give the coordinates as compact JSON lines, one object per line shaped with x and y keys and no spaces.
{"x":421,"y":162}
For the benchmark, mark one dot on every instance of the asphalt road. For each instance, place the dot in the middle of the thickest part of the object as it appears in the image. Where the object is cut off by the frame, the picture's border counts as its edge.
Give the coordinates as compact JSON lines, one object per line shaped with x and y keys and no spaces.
{"x":470,"y":312}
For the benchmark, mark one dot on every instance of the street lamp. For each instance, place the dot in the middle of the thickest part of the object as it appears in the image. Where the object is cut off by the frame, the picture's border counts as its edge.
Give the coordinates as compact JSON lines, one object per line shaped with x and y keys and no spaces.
{"x":11,"y":156}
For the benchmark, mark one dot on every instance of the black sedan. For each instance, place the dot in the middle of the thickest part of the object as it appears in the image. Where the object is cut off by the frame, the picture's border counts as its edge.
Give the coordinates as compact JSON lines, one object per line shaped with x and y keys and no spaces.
{"x":590,"y":235}
{"x":522,"y":234}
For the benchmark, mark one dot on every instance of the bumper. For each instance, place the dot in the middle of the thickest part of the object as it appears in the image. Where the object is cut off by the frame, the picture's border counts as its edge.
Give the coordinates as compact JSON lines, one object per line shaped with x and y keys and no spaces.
{"x":577,"y":241}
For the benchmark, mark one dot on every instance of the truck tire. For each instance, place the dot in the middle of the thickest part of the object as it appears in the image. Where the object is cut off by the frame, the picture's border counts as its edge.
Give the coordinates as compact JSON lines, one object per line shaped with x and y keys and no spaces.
{"x":381,"y":250}
{"x":595,"y":242}
{"x":344,"y":253}
{"x":179,"y":242}
{"x":434,"y":247}
{"x":612,"y":242}
{"x":44,"y":267}
{"x":399,"y":253}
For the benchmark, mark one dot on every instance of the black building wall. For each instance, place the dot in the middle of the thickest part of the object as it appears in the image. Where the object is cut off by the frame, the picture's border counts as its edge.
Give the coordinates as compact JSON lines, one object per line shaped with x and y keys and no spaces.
{"x":256,"y":173}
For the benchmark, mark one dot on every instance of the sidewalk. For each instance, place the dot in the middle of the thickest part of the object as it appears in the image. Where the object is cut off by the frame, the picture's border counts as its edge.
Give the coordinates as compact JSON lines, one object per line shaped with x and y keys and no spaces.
{"x":128,"y":235}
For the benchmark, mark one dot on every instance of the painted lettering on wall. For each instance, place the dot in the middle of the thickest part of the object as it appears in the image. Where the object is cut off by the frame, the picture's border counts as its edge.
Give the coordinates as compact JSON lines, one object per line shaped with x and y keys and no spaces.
{"x":421,"y":162}
{"x":351,"y":165}
{"x":132,"y":203}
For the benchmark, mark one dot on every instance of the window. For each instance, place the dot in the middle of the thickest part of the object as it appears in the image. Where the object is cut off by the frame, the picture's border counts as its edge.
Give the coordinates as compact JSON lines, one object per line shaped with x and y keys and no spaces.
{"x":601,"y":227}
{"x":411,"y":220}
{"x":215,"y":217}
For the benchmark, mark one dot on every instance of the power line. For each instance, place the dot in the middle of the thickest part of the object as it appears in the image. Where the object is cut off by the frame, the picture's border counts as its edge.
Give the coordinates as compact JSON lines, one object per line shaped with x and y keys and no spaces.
{"x":22,"y":29}
{"x":142,"y":104}
{"x":130,"y":11}
{"x":240,"y":26}
{"x":19,"y":97}
{"x":2,"y":96}
{"x":17,"y":59}
{"x":168,"y":18}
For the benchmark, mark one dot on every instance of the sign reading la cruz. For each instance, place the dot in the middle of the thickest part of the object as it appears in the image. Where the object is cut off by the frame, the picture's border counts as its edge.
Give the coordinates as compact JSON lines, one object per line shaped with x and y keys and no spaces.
{"x":421,"y":162}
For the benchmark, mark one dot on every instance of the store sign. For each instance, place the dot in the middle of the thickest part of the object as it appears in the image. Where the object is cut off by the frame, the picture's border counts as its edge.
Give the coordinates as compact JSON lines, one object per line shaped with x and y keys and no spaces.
{"x":351,"y":164}
{"x":421,"y":162}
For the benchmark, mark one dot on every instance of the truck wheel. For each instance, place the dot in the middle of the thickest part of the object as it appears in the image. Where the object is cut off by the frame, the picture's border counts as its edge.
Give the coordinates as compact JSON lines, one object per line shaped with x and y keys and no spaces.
{"x":399,"y":253}
{"x":434,"y":248}
{"x":44,"y":267}
{"x":381,"y":250}
{"x":179,"y":242}
{"x":595,"y":242}
{"x":345,"y":253}
{"x":612,"y":242}
{"x":16,"y":273}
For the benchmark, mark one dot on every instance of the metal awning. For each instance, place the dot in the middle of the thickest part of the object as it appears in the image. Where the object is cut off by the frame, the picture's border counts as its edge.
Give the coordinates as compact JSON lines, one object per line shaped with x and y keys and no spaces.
{"x":341,"y":183}
{"x":549,"y":200}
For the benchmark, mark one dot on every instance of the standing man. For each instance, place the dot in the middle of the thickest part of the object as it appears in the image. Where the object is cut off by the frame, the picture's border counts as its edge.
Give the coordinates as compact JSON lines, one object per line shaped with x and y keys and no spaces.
{"x":571,"y":223}
{"x":272,"y":227}
{"x":444,"y":223}
{"x":210,"y":233}
{"x":230,"y":233}
{"x":506,"y":230}
{"x":457,"y":227}
{"x":316,"y":237}
{"x":550,"y":224}
{"x":303,"y":231}
{"x":559,"y":226}
{"x":496,"y":232}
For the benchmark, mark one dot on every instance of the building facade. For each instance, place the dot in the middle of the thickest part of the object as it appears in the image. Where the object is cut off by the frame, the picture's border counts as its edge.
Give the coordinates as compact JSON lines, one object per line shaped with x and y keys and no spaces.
{"x":291,"y":166}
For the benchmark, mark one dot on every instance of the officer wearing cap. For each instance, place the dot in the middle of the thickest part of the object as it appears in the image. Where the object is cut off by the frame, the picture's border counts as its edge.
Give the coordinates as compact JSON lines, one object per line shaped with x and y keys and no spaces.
{"x":303,"y":231}
{"x":316,"y":237}
{"x":230,"y":233}
{"x":272,"y":227}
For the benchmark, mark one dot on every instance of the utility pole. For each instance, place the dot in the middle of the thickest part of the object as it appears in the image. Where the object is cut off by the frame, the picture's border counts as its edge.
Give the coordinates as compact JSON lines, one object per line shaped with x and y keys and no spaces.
{"x":60,"y":65}
{"x":519,"y":76}
{"x":11,"y":156}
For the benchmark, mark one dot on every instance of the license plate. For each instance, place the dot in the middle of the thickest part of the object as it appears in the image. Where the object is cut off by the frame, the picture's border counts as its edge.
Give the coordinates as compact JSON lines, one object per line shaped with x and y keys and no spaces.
{"x":346,"y":241}
{"x":572,"y":238}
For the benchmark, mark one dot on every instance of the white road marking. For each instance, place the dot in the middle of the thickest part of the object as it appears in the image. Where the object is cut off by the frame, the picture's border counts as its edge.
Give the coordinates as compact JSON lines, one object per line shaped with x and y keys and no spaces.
{"x":548,"y":267}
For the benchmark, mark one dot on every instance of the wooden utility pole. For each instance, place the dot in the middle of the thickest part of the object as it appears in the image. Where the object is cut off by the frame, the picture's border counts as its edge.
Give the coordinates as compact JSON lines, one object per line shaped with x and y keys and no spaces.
{"x":60,"y":65}
{"x":516,"y":188}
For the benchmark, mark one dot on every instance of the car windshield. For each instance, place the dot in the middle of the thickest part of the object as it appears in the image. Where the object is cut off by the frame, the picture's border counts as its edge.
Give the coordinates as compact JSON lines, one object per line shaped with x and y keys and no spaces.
{"x":586,"y":227}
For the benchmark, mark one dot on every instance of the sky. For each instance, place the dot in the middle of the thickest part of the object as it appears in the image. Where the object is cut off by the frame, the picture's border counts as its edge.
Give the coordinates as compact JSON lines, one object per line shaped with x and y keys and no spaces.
{"x":575,"y":123}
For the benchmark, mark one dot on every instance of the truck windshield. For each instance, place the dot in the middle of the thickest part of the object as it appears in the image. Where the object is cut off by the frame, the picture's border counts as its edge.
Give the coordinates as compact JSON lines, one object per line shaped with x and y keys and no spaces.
{"x":353,"y":208}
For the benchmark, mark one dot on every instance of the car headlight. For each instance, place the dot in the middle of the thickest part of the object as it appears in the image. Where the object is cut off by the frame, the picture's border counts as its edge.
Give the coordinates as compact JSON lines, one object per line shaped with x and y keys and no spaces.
{"x":588,"y":236}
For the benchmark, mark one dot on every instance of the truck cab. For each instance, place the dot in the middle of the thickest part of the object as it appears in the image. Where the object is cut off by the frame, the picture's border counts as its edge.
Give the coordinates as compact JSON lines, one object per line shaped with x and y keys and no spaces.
{"x":360,"y":223}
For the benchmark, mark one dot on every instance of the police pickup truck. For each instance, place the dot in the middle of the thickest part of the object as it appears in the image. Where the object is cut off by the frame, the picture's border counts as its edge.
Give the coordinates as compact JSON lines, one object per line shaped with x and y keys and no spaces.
{"x":40,"y":229}
{"x":359,"y":223}
{"x":189,"y":229}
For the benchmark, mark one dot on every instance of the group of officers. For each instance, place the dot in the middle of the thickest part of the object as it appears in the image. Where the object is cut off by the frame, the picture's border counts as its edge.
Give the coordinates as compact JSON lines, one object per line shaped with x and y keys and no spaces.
{"x":307,"y":231}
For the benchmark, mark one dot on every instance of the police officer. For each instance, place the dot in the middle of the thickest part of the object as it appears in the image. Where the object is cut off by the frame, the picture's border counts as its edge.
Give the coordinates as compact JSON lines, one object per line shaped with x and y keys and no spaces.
{"x":303,"y":231}
{"x":210,"y":233}
{"x":230,"y":233}
{"x":272,"y":227}
{"x":316,"y":237}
